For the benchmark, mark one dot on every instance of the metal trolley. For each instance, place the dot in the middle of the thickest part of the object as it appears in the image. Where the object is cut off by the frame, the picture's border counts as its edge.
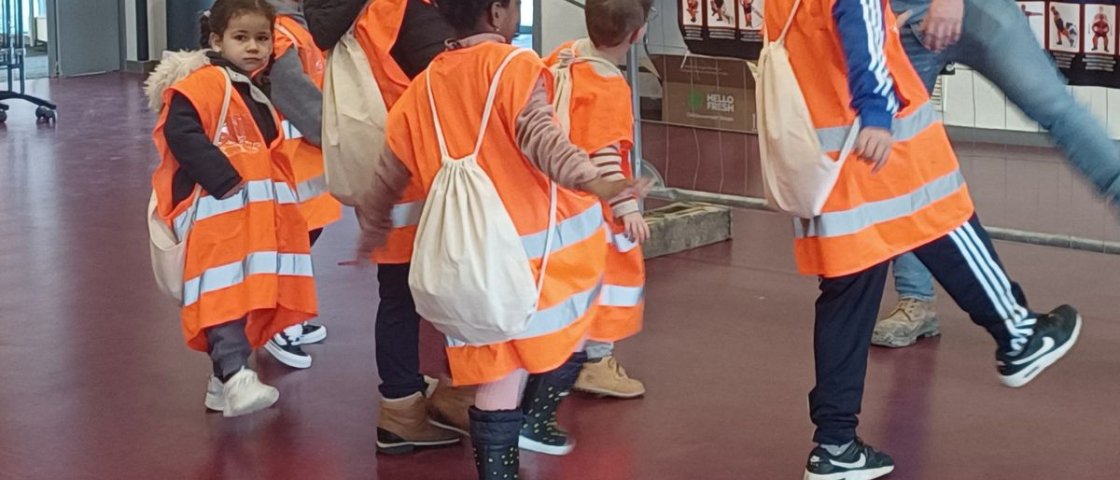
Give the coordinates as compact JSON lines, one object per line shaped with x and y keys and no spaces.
{"x":12,"y":51}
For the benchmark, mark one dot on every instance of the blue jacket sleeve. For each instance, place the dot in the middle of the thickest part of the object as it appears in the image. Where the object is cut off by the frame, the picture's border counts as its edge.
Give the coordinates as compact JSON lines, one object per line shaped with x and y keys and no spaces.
{"x":861,"y":24}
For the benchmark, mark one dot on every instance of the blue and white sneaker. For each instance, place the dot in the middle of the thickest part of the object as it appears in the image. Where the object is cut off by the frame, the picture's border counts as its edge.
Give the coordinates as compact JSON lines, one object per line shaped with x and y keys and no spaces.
{"x":1054,"y":335}
{"x":858,"y":462}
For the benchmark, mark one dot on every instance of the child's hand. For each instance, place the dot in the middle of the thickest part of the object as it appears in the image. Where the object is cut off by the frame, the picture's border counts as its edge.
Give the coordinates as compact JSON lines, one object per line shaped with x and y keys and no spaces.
{"x":234,"y":191}
{"x":606,"y":189}
{"x":637,"y":230}
{"x":642,"y":187}
{"x":874,"y":146}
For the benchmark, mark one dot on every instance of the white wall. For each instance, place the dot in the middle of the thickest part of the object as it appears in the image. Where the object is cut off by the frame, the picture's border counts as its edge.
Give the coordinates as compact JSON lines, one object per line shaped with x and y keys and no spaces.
{"x":970,"y":100}
{"x":130,"y":31}
{"x":157,"y":29}
{"x":561,"y":21}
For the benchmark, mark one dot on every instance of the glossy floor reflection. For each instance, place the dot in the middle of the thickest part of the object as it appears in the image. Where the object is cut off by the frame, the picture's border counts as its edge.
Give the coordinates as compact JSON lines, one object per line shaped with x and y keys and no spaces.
{"x":97,"y":384}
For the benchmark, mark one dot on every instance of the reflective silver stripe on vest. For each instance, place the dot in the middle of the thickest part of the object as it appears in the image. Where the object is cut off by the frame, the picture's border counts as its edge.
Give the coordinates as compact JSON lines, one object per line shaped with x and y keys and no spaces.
{"x":255,"y":191}
{"x":902,"y":129}
{"x":554,"y":318}
{"x":290,"y":131}
{"x":621,"y":242}
{"x":568,"y":232}
{"x":257,"y":263}
{"x":847,"y":222}
{"x":407,"y":214}
{"x":620,"y":296}
{"x":311,"y":188}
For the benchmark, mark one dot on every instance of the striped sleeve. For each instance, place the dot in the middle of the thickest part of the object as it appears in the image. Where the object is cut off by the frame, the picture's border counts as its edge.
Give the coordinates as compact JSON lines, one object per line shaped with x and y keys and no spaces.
{"x":862,"y":28}
{"x":609,"y":162}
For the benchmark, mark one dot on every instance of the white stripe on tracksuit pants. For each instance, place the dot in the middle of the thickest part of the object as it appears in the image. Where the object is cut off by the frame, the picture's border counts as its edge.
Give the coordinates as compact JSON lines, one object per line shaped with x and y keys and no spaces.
{"x":963,"y":262}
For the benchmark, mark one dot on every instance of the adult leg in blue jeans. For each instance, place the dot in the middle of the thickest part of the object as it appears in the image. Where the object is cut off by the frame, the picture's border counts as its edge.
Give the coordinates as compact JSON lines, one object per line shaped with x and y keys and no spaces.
{"x":997,"y":42}
{"x":915,"y":316}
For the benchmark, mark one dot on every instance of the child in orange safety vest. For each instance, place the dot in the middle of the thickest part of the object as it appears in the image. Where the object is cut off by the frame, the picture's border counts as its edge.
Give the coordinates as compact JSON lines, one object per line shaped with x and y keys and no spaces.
{"x":900,"y":191}
{"x":297,"y":82}
{"x":600,"y":120}
{"x":497,"y":99}
{"x":225,"y":187}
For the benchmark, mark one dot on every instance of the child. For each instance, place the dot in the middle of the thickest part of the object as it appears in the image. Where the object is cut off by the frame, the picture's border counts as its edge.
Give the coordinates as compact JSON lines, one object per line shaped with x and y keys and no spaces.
{"x":400,"y":38}
{"x":906,"y":195}
{"x":228,"y":192}
{"x":297,"y":82}
{"x":602,"y":123}
{"x":520,"y":147}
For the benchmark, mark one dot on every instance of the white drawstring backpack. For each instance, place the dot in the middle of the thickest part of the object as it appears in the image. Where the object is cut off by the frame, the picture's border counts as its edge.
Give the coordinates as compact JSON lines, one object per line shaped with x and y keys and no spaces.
{"x":470,"y":274}
{"x":562,"y":83}
{"x":354,"y":117}
{"x":168,"y":251}
{"x":797,"y":176}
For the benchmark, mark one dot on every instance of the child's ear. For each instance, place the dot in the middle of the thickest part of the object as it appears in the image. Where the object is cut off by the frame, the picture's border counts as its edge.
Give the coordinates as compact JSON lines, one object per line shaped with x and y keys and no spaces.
{"x":215,"y":42}
{"x":638,"y":34}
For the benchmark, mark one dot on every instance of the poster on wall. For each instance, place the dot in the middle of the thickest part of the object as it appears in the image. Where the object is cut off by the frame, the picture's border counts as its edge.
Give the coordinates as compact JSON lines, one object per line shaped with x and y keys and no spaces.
{"x":722,"y":28}
{"x":1081,"y":36}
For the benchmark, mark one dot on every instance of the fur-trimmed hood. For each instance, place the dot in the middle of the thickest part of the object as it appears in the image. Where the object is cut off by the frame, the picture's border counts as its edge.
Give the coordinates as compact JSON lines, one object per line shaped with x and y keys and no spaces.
{"x":174,"y":67}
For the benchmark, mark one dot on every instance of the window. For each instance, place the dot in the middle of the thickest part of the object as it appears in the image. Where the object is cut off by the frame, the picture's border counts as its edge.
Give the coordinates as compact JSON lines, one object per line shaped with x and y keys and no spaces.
{"x":526,"y":17}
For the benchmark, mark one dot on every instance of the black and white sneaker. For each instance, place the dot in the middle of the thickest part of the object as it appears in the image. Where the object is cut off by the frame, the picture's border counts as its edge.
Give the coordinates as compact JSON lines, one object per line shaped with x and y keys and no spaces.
{"x":313,"y":333}
{"x":1054,"y":335}
{"x":858,"y":462}
{"x":288,"y":351}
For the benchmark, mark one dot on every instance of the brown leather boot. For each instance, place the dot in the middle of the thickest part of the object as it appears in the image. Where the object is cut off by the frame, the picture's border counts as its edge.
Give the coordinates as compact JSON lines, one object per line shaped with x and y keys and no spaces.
{"x":403,"y":426}
{"x":449,"y":407}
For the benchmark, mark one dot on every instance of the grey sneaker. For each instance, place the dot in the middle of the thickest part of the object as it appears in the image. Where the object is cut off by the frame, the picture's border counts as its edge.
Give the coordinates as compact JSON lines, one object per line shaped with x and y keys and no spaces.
{"x":912,"y":320}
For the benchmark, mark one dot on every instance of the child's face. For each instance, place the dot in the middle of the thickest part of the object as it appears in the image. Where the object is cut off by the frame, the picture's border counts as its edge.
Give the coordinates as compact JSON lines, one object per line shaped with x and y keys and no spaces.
{"x":246,"y":43}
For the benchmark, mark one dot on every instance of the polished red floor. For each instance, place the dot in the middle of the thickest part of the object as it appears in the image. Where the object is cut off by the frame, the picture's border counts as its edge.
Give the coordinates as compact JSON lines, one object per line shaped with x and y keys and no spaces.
{"x":97,"y":384}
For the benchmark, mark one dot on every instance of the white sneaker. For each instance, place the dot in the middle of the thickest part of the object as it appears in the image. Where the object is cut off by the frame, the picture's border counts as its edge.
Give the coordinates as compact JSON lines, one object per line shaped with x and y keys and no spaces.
{"x":285,"y":346}
{"x":214,"y":399}
{"x":313,"y":333}
{"x":244,"y":393}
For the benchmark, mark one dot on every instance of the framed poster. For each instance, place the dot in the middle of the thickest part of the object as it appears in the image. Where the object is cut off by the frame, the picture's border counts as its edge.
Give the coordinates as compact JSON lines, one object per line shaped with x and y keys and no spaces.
{"x":750,"y":20}
{"x":722,"y":28}
{"x":1081,"y":36}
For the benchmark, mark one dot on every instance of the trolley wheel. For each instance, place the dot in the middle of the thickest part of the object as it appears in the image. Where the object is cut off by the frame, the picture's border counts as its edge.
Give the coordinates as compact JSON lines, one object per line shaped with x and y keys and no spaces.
{"x":46,"y":115}
{"x":3,"y":116}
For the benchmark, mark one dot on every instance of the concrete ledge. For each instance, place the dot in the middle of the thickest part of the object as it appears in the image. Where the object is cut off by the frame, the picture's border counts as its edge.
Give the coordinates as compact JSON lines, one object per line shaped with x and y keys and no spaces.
{"x":683,"y":226}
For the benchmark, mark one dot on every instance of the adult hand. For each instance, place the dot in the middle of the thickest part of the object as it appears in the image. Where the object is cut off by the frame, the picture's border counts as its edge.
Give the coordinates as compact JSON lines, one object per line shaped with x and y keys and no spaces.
{"x":942,"y":25}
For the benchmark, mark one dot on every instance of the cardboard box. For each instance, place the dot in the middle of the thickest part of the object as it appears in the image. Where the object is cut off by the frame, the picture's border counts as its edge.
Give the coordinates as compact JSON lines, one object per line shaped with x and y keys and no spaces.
{"x":704,"y":92}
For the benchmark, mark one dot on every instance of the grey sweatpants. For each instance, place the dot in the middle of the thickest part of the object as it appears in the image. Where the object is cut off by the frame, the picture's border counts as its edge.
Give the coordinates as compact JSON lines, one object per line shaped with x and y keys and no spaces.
{"x":229,"y":348}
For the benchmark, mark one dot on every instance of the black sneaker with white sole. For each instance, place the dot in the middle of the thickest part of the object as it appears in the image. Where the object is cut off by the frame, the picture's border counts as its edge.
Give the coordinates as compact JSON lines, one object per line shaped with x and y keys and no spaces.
{"x":313,"y":333}
{"x":859,"y":462}
{"x":1054,"y":335}
{"x":288,"y":351}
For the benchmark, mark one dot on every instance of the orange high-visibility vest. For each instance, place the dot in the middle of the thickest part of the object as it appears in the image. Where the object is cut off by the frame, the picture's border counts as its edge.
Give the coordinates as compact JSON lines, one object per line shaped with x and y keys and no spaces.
{"x":869,"y":218}
{"x":601,"y":115}
{"x":376,"y":31}
{"x":573,"y":280}
{"x":318,"y":206}
{"x":247,"y":256}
